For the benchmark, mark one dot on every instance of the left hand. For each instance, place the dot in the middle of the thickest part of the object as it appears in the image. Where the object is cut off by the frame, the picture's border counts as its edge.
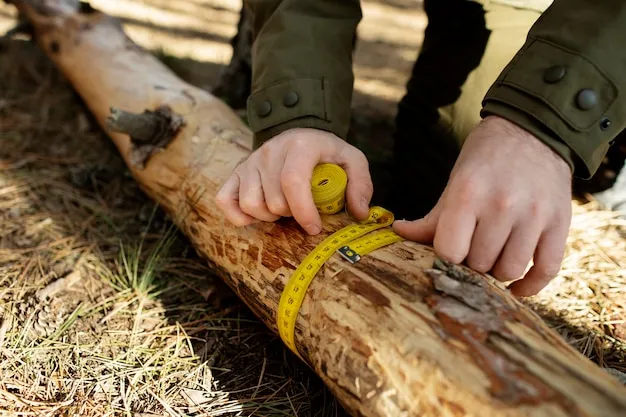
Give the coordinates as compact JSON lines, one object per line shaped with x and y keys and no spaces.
{"x":508,"y":201}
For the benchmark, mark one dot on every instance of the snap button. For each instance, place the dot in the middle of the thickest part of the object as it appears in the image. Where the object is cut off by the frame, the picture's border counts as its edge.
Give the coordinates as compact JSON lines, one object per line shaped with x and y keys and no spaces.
{"x":554,"y":74}
{"x":290,"y":99}
{"x":264,"y":108}
{"x":586,"y":99}
{"x":605,"y":123}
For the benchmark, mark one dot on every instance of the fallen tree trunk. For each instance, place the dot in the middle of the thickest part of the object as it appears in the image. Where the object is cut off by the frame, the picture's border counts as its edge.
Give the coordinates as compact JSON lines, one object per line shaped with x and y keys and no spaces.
{"x":397,"y":334}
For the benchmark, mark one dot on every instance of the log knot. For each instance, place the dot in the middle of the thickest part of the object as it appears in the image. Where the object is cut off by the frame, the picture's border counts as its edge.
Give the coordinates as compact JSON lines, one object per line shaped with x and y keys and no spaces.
{"x":150,"y":132}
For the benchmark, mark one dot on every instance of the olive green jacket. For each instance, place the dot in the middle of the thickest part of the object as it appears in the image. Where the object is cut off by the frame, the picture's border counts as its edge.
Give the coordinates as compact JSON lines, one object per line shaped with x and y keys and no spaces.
{"x":566,"y":85}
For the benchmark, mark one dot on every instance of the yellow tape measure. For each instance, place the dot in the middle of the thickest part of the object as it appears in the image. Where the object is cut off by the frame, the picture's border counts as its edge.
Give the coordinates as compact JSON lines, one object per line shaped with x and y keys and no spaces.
{"x":328,"y":185}
{"x":352,"y":242}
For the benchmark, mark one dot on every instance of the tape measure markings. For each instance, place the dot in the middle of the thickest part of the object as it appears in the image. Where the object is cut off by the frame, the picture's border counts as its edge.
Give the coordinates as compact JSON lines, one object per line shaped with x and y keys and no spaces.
{"x":352,"y":242}
{"x":361,"y":247}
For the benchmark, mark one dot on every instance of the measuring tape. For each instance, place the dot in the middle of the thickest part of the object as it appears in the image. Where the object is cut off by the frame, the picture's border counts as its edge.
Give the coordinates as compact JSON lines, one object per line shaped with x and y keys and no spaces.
{"x":352,"y":242}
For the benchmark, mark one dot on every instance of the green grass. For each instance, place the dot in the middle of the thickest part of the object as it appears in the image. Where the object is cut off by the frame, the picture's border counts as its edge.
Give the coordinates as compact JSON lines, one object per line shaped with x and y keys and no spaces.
{"x":141,"y":276}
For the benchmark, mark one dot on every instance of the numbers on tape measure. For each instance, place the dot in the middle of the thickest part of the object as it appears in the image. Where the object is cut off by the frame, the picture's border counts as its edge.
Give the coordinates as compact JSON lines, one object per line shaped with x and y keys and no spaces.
{"x":352,"y":243}
{"x":328,"y":185}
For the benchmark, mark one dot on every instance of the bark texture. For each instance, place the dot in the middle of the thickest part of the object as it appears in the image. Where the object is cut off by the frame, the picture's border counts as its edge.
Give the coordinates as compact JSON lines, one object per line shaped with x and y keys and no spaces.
{"x":397,"y":334}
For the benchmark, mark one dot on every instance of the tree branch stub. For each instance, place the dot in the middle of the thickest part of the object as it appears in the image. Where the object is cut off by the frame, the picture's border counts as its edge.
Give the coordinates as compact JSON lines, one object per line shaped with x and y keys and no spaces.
{"x":150,"y":131}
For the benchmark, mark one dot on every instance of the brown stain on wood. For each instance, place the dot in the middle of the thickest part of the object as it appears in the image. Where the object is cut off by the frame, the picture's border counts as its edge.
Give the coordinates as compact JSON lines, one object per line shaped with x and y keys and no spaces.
{"x":474,"y":317}
{"x":271,"y":259}
{"x":404,"y":254}
{"x":389,"y":276}
{"x":218,"y":244}
{"x":510,"y":382}
{"x":363,"y":288}
{"x":250,"y":256}
{"x":55,"y":47}
{"x":231,"y":252}
{"x":361,"y":348}
{"x":350,"y":373}
{"x":356,"y":368}
{"x":253,"y":300}
{"x":454,"y":408}
{"x":278,"y":286}
{"x":283,"y":247}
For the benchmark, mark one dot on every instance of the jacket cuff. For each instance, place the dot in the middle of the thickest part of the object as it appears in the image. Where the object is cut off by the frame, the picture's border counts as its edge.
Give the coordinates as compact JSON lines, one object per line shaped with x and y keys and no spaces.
{"x":562,"y":98}
{"x":303,"y":122}
{"x":303,"y":102}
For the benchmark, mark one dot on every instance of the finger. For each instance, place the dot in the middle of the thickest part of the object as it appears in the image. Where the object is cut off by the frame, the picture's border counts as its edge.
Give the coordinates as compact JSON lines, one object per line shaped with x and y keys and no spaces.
{"x":489,"y":239}
{"x":421,"y":230}
{"x":360,"y":187}
{"x":547,"y":262}
{"x":454,"y":233}
{"x":252,"y":198}
{"x":227,"y":199}
{"x":295,"y":181}
{"x":517,"y":252}
{"x":270,"y":181}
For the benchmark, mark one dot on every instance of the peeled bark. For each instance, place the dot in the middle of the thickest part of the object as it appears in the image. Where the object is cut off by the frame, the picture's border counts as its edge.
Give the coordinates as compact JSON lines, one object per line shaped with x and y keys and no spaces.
{"x":397,"y":334}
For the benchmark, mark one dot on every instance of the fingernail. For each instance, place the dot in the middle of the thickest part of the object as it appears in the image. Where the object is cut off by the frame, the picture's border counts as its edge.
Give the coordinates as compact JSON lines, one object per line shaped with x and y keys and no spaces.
{"x":312,"y":229}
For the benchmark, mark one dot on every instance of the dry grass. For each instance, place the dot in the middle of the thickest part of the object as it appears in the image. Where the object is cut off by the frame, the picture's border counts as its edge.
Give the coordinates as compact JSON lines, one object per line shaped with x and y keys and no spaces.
{"x":586,"y":303}
{"x":106,"y":310}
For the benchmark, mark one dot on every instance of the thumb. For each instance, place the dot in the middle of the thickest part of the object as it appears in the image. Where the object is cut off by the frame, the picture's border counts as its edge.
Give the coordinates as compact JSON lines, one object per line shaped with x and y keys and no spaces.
{"x":421,"y":230}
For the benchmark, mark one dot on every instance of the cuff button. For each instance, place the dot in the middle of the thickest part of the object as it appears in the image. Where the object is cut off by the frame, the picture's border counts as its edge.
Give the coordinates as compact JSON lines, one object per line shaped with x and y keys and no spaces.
{"x":586,"y":99}
{"x":290,"y":99}
{"x":605,"y":123}
{"x":554,"y":74}
{"x":264,"y":108}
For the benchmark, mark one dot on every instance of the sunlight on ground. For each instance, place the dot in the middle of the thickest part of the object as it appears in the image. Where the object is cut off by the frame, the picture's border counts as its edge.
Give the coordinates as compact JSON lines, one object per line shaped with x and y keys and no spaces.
{"x":393,"y":40}
{"x":195,"y":30}
{"x":201,"y":30}
{"x":6,"y":17}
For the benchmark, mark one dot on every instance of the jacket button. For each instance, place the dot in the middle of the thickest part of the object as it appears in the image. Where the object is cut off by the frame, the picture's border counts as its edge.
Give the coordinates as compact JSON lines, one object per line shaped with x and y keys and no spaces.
{"x":554,"y":74}
{"x":264,"y":108}
{"x":605,"y":123}
{"x":290,"y":99}
{"x":586,"y":99}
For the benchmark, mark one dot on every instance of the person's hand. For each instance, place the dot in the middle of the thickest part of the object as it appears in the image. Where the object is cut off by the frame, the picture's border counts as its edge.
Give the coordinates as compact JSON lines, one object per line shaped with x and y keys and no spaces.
{"x":508,"y":199}
{"x":275,"y":180}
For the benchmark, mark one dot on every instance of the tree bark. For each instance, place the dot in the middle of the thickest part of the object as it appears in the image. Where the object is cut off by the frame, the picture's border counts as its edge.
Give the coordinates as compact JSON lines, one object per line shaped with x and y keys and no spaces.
{"x":397,"y":334}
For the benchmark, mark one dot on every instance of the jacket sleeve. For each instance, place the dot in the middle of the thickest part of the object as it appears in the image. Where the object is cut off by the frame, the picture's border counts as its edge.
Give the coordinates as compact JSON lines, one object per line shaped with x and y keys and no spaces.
{"x":301,"y":65}
{"x":567,"y":84}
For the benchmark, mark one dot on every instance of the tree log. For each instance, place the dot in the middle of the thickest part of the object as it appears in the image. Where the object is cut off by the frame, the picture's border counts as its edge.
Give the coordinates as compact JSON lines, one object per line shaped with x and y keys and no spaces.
{"x":396,"y":334}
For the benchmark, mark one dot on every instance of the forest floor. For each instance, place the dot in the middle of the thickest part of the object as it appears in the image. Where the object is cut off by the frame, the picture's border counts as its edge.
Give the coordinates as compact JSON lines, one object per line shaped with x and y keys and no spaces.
{"x":107,"y":310}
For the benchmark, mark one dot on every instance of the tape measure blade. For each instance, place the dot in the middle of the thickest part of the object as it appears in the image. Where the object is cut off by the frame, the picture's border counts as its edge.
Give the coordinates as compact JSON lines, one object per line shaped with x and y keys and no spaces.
{"x":370,"y":243}
{"x":296,"y":288}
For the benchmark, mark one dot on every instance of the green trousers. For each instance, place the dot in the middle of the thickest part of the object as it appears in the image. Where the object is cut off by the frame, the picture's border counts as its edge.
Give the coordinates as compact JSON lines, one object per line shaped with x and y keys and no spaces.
{"x":508,"y":26}
{"x":466,"y":46}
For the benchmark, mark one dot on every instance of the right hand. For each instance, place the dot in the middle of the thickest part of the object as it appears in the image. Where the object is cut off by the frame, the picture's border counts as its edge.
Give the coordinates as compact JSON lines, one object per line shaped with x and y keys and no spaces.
{"x":275,"y":180}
